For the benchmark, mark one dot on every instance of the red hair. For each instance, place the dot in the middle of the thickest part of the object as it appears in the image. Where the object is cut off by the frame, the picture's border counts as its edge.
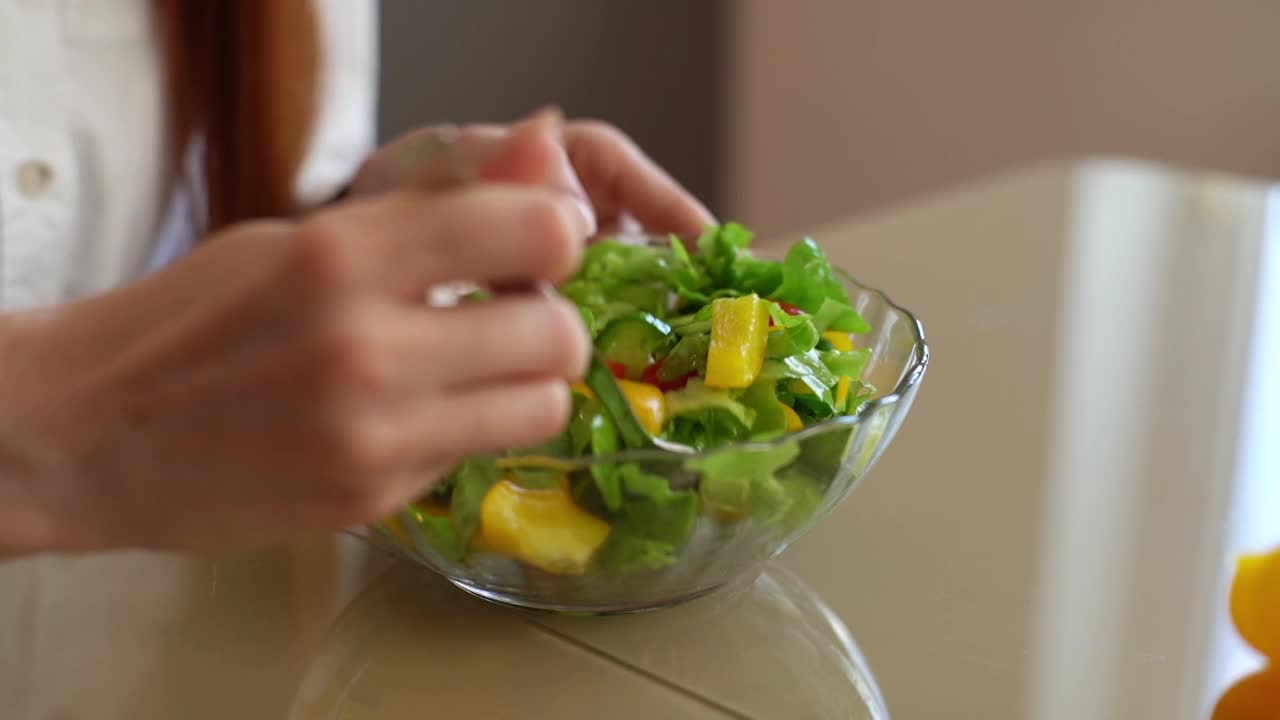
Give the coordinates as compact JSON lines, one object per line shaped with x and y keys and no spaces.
{"x":242,"y":74}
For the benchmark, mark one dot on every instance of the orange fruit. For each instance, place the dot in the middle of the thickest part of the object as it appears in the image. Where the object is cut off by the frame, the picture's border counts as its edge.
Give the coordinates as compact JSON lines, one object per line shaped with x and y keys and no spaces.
{"x":1255,"y":602}
{"x":1257,"y":697}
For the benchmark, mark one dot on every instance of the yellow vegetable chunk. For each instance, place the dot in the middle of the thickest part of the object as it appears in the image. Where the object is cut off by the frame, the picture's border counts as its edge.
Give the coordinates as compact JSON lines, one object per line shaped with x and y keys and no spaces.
{"x":739,"y":333}
{"x":842,"y":341}
{"x":1255,"y":602}
{"x":794,"y":422}
{"x":842,"y":392}
{"x":544,"y":528}
{"x":583,"y":390}
{"x":647,"y":403}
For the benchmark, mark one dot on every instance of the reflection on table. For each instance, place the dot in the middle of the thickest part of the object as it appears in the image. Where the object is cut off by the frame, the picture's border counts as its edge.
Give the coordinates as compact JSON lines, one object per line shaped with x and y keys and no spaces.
{"x":768,"y":648}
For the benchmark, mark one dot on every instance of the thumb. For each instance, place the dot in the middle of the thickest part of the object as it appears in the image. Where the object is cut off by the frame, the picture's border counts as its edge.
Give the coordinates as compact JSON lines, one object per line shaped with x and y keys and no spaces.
{"x":533,"y":153}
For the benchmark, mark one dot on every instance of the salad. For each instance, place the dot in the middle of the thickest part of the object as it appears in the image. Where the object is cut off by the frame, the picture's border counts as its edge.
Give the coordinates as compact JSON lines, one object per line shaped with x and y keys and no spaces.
{"x":706,"y":349}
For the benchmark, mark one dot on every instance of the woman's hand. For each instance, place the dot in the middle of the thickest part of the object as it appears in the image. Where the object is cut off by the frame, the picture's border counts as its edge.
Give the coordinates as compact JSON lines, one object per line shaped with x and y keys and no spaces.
{"x":288,"y":375}
{"x":619,"y":186}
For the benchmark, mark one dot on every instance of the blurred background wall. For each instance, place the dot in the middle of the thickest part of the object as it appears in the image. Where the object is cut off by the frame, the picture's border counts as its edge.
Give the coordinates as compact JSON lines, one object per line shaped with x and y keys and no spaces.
{"x":843,"y":106}
{"x":653,"y":68}
{"x":787,"y":113}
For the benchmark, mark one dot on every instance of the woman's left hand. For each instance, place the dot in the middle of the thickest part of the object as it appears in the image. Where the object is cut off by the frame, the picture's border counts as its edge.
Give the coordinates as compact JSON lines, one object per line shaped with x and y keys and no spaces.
{"x":619,"y":187}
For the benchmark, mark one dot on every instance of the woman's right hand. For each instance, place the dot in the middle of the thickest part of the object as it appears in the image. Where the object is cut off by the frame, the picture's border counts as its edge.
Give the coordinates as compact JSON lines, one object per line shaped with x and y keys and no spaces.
{"x":288,"y":375}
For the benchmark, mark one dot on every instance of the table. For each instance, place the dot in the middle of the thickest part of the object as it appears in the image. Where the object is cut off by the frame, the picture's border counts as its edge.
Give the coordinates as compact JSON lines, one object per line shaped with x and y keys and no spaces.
{"x":1050,"y":536}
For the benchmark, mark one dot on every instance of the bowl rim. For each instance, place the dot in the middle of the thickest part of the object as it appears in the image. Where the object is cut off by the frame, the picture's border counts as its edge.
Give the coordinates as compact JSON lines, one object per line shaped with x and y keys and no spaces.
{"x":911,"y":378}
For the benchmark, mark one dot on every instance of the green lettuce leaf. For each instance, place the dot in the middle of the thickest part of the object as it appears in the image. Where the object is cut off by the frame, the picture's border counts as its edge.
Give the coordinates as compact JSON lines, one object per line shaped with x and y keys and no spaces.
{"x":617,"y":279}
{"x":618,"y":263}
{"x":652,"y":524}
{"x":471,"y":480}
{"x":688,"y":279}
{"x":808,"y":278}
{"x":859,"y":394}
{"x":756,"y":275}
{"x":770,"y":419}
{"x":718,"y":249}
{"x":624,"y":552}
{"x":814,"y":408}
{"x":436,"y":530}
{"x":708,"y":428}
{"x":664,"y":514}
{"x":835,"y":315}
{"x":703,"y":417}
{"x":850,"y":364}
{"x":650,"y":299}
{"x":804,"y":493}
{"x":745,"y":481}
{"x":806,"y":367}
{"x":730,"y":268}
{"x":697,"y":397}
{"x":798,"y":335}
{"x":597,"y":310}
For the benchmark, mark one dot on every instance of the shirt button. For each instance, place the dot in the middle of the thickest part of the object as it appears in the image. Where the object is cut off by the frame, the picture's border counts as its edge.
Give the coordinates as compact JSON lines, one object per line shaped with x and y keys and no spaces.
{"x":34,"y":177}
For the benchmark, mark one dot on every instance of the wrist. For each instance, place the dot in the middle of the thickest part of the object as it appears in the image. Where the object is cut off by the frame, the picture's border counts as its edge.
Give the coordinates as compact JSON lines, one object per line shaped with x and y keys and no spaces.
{"x":27,"y":518}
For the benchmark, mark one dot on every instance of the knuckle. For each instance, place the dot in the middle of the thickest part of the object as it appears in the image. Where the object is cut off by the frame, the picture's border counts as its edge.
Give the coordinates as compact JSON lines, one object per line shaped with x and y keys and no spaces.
{"x":353,"y":450}
{"x":321,"y":256}
{"x":601,"y":130}
{"x":352,"y":362}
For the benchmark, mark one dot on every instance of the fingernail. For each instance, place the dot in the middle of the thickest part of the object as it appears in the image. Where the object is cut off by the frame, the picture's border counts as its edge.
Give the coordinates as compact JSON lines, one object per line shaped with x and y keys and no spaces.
{"x":588,"y":215}
{"x":550,"y":118}
{"x":581,"y":212}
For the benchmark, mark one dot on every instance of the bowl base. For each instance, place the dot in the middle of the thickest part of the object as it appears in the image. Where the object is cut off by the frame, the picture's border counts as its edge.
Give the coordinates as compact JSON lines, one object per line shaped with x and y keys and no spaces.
{"x":521,"y":603}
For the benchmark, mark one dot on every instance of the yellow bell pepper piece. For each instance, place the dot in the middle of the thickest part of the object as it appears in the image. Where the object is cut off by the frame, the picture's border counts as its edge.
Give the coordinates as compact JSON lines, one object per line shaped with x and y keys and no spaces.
{"x":544,"y":528}
{"x":739,"y":333}
{"x":842,"y":341}
{"x":842,"y":391}
{"x":647,"y":403}
{"x":583,"y":390}
{"x":794,"y":422}
{"x":1255,"y":602}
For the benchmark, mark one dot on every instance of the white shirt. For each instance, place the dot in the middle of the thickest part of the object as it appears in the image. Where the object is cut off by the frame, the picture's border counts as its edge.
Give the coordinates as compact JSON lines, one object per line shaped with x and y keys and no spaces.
{"x":87,"y":196}
{"x":85,"y":190}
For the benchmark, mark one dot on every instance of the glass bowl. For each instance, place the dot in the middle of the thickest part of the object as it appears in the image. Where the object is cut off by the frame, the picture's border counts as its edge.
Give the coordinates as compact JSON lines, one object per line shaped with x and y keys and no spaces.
{"x":814,"y":469}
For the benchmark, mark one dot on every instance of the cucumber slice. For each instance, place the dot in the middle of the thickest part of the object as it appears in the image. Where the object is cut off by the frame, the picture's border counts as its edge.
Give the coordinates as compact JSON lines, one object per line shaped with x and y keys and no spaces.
{"x":649,"y":298}
{"x":631,"y":341}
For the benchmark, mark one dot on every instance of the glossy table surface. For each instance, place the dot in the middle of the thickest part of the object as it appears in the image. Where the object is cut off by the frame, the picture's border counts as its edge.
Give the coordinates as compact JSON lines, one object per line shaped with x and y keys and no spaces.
{"x":1050,"y":536}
